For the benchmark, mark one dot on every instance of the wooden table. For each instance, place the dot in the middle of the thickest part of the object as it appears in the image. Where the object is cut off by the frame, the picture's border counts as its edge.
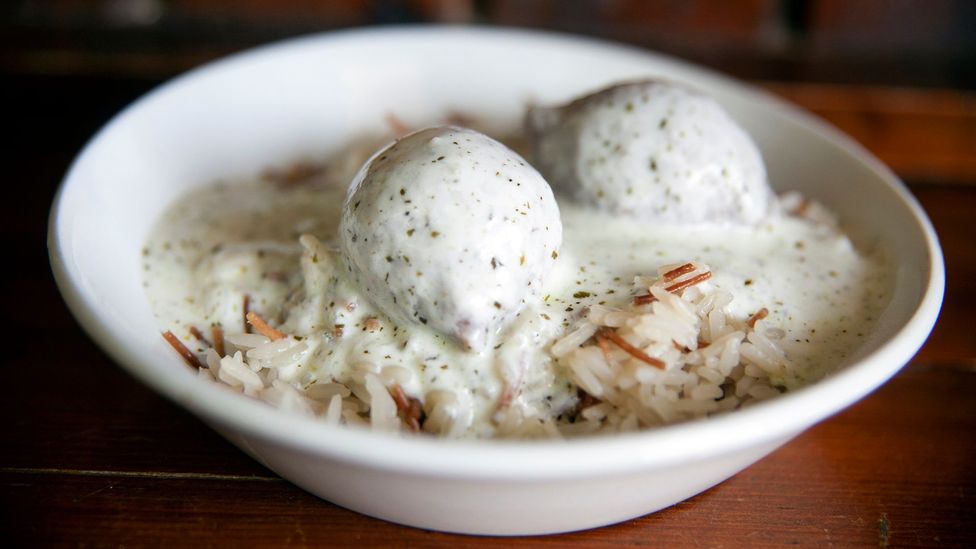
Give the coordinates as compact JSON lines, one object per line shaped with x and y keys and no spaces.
{"x":91,"y":457}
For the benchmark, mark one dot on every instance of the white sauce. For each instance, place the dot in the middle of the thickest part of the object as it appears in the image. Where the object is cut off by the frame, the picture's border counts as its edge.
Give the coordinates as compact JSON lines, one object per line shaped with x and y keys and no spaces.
{"x":653,"y":150}
{"x":452,"y":229}
{"x":224,"y":241}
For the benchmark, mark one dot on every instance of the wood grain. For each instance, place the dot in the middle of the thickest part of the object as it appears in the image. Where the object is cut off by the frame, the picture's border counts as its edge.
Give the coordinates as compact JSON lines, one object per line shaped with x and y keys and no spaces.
{"x":89,"y":457}
{"x":896,"y":459}
{"x":922,"y":134}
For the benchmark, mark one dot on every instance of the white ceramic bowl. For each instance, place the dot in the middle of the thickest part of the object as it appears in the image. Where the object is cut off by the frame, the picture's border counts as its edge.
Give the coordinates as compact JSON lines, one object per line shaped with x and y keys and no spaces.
{"x":307,"y":96}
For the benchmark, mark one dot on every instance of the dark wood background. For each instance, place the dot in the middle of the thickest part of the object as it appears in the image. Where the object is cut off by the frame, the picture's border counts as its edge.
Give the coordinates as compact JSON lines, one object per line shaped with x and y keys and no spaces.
{"x":89,"y":457}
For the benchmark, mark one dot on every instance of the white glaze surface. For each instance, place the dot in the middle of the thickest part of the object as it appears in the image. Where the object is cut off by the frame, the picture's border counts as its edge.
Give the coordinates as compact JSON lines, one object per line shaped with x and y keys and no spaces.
{"x":361,"y":75}
{"x":652,"y":150}
{"x":219,"y":244}
{"x":449,"y":228}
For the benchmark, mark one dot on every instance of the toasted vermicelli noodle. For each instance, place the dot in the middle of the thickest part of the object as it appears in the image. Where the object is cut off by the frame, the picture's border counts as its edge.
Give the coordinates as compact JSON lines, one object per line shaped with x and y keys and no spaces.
{"x":713,"y":362}
{"x":671,"y":354}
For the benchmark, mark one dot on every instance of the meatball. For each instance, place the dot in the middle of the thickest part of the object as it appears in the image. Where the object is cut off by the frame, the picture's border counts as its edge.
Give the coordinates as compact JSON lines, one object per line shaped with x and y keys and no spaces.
{"x":652,"y":150}
{"x":449,"y":228}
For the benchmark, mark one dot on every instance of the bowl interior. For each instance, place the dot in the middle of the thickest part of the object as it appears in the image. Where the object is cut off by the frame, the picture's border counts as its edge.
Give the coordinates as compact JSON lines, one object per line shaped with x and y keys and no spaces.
{"x":308,"y":96}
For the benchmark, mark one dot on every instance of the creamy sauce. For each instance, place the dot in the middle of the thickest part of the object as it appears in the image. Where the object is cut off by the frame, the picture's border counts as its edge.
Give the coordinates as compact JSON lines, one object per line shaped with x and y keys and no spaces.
{"x":653,"y":150}
{"x":228,"y":240}
{"x":450,"y":228}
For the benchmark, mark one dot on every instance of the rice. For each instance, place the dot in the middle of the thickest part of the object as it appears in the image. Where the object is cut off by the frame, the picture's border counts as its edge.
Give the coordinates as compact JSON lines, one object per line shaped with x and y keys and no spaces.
{"x":382,"y":409}
{"x":713,"y":361}
{"x":666,"y":356}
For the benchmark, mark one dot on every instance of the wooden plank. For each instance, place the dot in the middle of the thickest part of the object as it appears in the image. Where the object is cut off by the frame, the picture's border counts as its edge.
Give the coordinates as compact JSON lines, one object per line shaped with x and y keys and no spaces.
{"x":895,"y":459}
{"x":89,"y":415}
{"x":952,"y":210}
{"x":90,"y":457}
{"x":922,"y":134}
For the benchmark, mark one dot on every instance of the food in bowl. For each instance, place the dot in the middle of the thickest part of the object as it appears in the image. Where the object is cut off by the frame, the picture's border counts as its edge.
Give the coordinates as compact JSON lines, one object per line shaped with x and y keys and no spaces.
{"x":449,"y":228}
{"x":652,"y":150}
{"x":586,"y":312}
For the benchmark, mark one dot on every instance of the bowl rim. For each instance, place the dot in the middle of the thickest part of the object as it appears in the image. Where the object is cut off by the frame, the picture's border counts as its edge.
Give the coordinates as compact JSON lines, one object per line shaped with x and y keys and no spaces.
{"x":765,"y":422}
